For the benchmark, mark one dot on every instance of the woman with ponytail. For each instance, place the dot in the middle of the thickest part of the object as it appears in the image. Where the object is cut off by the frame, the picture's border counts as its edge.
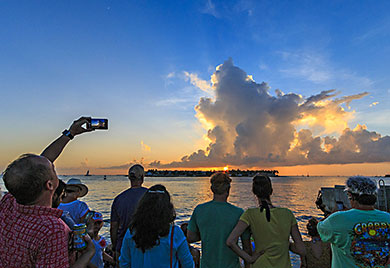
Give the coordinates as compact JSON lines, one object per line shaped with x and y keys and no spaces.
{"x":152,"y":239}
{"x":271,"y":228}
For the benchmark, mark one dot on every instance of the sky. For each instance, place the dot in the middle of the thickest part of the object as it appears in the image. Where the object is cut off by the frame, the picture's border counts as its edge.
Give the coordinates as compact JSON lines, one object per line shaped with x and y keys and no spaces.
{"x":299,"y":86}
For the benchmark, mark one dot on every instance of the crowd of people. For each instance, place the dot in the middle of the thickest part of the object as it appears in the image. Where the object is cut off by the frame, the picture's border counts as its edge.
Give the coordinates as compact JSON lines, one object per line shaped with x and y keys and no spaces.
{"x":40,"y":212}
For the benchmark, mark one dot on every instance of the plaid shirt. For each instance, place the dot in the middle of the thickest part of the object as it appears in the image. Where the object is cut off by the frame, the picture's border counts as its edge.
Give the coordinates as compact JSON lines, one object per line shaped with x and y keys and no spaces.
{"x":31,"y":236}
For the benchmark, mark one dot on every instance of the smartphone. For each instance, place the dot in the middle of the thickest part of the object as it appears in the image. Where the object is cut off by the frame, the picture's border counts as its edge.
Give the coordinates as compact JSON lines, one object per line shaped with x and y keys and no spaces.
{"x":97,"y":123}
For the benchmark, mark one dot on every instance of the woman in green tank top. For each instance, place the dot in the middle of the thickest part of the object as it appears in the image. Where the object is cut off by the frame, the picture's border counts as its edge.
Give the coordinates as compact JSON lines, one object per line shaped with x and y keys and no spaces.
{"x":271,"y":228}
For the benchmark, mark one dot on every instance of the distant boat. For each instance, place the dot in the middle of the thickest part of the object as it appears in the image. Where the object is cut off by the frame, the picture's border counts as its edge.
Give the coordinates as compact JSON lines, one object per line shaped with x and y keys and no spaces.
{"x":104,"y":178}
{"x":87,"y":174}
{"x":387,"y":175}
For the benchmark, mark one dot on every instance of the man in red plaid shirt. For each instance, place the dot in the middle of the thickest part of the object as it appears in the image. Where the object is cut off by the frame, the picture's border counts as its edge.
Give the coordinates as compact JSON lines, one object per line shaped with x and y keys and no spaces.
{"x":31,"y":232}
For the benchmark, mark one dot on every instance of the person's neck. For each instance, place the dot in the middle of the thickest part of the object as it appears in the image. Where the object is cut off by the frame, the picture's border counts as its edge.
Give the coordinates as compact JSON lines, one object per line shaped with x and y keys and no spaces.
{"x":363,"y":207}
{"x":68,"y":200}
{"x":135,"y":185}
{"x":266,"y":200}
{"x":44,"y":200}
{"x":220,"y":197}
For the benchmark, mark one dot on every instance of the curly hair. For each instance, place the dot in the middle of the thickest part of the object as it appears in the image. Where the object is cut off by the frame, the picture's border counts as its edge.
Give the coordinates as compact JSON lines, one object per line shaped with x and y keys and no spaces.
{"x":152,"y":218}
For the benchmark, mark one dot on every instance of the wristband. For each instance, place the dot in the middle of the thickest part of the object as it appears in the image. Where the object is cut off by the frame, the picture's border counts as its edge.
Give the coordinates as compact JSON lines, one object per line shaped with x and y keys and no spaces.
{"x":68,"y":134}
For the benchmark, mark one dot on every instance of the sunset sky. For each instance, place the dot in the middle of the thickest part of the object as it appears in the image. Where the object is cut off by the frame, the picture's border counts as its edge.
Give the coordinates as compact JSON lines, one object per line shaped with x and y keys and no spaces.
{"x":300,"y":86}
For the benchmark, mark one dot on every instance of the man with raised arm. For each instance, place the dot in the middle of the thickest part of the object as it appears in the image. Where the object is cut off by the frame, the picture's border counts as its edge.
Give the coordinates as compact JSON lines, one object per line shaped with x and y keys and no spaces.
{"x":123,"y":207}
{"x":212,"y":222}
{"x":360,"y":237}
{"x":31,"y":231}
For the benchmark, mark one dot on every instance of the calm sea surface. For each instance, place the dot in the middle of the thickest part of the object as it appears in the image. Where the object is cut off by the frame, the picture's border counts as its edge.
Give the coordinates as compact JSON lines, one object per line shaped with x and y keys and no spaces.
{"x":296,"y":193}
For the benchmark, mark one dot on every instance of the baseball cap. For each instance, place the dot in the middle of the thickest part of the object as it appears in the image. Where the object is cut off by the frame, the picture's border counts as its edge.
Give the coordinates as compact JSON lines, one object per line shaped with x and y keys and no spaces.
{"x":361,"y":185}
{"x":136,"y":172}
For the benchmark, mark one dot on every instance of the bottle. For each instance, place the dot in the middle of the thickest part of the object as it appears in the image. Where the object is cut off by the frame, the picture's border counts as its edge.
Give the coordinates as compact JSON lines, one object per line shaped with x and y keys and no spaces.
{"x":79,"y":231}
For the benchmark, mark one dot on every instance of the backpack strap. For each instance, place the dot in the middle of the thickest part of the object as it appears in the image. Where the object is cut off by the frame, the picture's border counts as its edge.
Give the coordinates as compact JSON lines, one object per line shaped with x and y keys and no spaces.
{"x":171,"y":252}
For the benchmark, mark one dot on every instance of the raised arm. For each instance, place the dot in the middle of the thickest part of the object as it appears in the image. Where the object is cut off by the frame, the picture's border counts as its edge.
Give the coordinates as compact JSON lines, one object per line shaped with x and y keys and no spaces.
{"x":55,"y":148}
{"x":232,"y":243}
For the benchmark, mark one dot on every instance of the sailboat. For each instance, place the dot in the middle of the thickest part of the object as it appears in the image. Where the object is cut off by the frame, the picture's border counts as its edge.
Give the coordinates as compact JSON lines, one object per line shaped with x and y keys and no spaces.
{"x":87,"y":174}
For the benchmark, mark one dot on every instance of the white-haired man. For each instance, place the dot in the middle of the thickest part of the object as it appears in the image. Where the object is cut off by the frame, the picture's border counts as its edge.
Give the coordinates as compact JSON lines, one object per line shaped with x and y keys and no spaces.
{"x":360,"y":237}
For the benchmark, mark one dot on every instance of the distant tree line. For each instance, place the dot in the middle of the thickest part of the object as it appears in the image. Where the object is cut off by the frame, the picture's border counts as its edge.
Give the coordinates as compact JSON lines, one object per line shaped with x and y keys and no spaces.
{"x":208,"y":173}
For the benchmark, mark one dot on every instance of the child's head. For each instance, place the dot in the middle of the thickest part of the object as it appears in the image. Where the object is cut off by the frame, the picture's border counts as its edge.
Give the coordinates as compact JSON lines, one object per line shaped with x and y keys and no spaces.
{"x":312,"y":227}
{"x":97,"y":221}
{"x":75,"y":189}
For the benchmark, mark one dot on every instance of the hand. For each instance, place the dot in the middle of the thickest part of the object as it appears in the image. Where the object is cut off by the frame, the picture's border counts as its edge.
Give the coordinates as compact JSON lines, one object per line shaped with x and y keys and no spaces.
{"x":255,"y":256}
{"x":76,"y":128}
{"x":90,"y":246}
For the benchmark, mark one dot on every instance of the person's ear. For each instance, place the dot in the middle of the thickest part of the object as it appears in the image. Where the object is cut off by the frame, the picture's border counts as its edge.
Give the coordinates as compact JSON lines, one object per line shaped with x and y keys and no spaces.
{"x":49,"y":185}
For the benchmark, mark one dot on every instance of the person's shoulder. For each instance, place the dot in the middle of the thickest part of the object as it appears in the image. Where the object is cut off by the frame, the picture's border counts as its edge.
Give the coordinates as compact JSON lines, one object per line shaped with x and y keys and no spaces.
{"x":52,"y":225}
{"x":235,"y":208}
{"x":251,"y":210}
{"x":80,"y":203}
{"x":7,"y":198}
{"x":128,"y":192}
{"x":205,"y":204}
{"x":382,"y":214}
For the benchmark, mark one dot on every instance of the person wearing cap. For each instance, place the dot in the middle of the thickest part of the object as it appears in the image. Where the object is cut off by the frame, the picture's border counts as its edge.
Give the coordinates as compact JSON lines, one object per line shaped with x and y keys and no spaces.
{"x":94,"y":224}
{"x":77,"y":209}
{"x":123,"y":207}
{"x":212,"y":223}
{"x":360,"y":237}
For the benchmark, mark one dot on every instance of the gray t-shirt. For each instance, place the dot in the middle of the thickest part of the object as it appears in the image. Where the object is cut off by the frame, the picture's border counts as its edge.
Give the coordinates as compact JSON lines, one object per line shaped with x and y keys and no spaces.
{"x":122,"y":210}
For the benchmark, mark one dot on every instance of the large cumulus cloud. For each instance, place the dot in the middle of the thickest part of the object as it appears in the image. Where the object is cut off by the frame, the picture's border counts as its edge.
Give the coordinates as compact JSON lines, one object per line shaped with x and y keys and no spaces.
{"x":247,"y":126}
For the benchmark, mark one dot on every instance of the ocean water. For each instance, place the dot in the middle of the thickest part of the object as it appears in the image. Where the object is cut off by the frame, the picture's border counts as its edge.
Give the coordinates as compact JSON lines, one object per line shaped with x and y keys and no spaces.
{"x":296,"y":193}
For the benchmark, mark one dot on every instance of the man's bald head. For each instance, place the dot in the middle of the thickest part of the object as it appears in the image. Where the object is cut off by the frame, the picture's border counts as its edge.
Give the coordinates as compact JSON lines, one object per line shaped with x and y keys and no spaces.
{"x":25,"y":178}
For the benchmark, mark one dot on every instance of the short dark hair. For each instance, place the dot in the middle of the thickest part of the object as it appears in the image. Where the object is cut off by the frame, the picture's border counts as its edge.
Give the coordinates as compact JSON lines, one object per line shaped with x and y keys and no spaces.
{"x":25,"y":178}
{"x":364,"y":199}
{"x":220,"y":183}
{"x":312,"y":227}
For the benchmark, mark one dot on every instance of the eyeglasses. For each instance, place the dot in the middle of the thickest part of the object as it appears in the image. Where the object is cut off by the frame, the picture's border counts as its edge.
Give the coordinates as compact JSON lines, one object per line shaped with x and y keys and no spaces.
{"x":71,"y":191}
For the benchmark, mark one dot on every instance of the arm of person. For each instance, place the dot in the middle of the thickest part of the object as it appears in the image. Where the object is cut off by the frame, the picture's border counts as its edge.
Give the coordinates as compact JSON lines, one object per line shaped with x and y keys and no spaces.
{"x":298,"y":246}
{"x":232,"y":243}
{"x":247,"y":247}
{"x":192,"y":237}
{"x":90,"y":265}
{"x":114,"y":226}
{"x":125,"y":258}
{"x":193,"y":234}
{"x":53,"y":151}
{"x":108,"y":258}
{"x":184,"y":255}
{"x":86,"y":255}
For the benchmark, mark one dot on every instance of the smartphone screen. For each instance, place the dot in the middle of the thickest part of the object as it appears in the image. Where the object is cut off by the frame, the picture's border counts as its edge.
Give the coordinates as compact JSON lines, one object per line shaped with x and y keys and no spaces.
{"x":98,"y":123}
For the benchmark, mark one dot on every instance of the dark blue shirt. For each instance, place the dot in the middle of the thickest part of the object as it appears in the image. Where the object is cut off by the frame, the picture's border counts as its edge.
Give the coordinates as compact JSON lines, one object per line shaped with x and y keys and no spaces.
{"x":122,"y":210}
